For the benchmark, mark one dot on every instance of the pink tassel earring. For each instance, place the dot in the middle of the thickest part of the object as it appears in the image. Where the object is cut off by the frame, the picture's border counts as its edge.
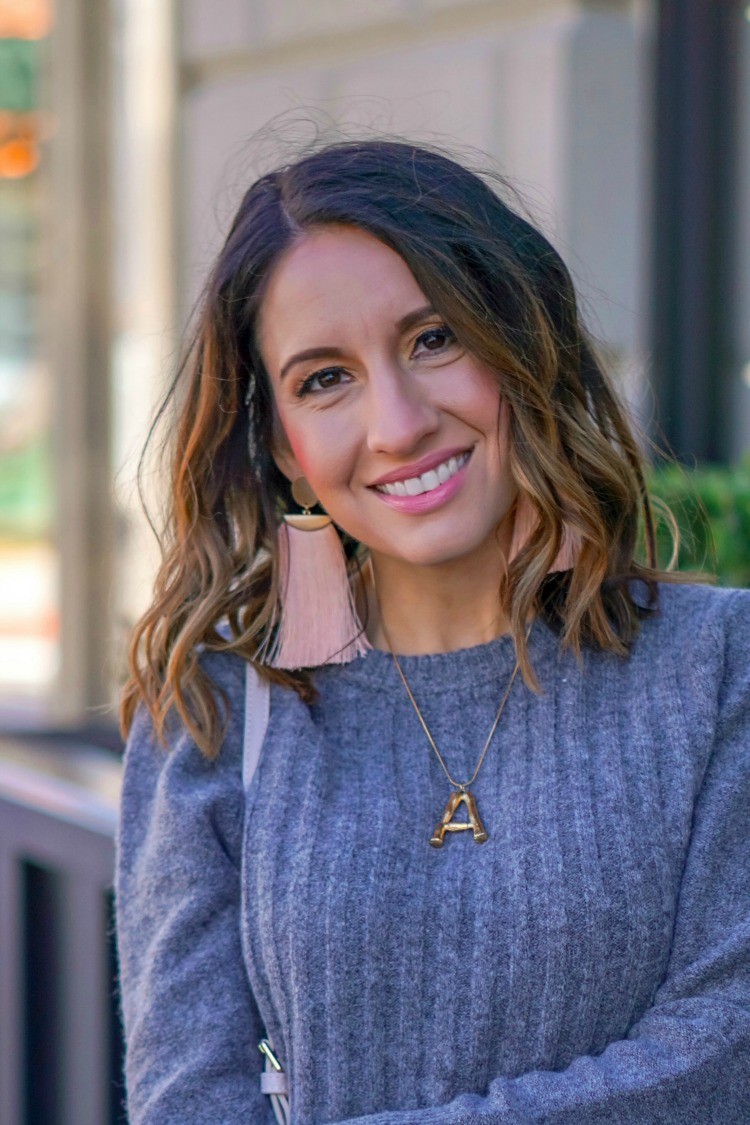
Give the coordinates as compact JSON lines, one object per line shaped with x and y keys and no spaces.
{"x":318,"y":621}
{"x":526,"y":520}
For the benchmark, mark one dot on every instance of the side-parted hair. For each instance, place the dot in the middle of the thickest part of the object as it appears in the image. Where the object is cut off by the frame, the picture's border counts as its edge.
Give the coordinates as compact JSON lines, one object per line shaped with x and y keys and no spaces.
{"x":506,"y":294}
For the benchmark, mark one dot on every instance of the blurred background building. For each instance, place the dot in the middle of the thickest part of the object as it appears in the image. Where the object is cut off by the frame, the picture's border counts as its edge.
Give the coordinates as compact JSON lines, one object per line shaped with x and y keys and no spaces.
{"x":128,"y":131}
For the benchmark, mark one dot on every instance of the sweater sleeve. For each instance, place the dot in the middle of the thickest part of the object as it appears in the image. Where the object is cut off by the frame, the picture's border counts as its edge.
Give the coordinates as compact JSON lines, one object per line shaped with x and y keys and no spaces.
{"x":191,"y":1023}
{"x":688,"y":1057}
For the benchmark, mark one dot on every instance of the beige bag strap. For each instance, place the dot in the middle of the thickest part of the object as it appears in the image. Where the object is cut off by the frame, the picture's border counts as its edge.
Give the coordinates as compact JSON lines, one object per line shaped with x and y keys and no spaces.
{"x":257,"y":708}
{"x":273,"y":1080}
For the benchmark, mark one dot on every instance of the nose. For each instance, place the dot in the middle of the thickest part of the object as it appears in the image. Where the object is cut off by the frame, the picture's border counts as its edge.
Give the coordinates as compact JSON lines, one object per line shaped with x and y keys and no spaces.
{"x":399,"y":412}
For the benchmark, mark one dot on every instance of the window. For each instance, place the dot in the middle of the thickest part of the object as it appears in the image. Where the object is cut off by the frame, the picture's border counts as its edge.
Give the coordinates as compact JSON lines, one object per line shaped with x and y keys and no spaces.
{"x":29,"y":563}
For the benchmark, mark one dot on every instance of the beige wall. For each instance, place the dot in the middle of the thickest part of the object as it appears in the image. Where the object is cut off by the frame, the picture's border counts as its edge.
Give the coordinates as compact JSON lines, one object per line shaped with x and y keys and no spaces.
{"x":555,"y":92}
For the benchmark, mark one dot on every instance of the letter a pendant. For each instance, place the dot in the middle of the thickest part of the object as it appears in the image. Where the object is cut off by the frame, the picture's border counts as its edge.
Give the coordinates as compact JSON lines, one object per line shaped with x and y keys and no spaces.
{"x":448,"y":824}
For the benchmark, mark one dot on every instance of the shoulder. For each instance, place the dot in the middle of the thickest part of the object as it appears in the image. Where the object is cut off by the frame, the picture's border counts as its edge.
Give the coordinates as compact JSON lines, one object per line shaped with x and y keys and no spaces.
{"x":699,"y":640}
{"x":693,"y":618}
{"x":226,"y":675}
{"x":697,"y":604}
{"x":174,"y":784}
{"x":693,"y":643}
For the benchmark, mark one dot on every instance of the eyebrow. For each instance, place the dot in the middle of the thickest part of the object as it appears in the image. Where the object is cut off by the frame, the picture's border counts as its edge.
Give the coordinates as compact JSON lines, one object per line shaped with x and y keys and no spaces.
{"x":406,"y":322}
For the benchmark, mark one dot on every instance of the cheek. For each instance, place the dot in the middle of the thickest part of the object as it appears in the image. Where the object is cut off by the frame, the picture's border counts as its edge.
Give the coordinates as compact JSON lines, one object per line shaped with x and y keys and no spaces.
{"x":300,"y":439}
{"x":319,"y":451}
{"x":487,"y":410}
{"x":304,"y":457}
{"x":477,"y":400}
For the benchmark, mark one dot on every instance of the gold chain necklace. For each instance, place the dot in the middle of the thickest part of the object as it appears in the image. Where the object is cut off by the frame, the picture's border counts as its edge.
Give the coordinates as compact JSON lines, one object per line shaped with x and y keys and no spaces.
{"x":462,"y":794}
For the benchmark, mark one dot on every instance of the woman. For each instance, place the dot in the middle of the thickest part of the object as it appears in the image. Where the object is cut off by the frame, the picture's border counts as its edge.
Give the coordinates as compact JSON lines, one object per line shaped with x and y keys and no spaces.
{"x":492,"y":864}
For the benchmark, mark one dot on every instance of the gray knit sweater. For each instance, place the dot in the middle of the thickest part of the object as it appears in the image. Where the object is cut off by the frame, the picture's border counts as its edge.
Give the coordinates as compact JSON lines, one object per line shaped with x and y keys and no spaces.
{"x":589,"y":963}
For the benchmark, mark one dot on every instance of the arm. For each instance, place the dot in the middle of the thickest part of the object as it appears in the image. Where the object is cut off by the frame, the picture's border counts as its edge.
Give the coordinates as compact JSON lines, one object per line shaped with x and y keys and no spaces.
{"x":191,"y":1023}
{"x":688,"y":1058}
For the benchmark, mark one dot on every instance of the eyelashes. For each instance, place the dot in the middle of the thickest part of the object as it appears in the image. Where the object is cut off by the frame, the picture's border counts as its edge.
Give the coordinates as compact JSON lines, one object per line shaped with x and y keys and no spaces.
{"x":306,"y":387}
{"x":439,"y":330}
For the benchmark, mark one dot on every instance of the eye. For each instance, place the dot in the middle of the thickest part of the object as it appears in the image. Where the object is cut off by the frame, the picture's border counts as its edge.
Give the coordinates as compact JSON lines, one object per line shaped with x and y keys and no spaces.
{"x":436,"y":339}
{"x":326,"y":379}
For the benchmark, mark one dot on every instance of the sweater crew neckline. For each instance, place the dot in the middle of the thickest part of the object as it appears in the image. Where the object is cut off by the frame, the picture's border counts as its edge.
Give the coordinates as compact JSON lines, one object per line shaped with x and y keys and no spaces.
{"x":438,"y":671}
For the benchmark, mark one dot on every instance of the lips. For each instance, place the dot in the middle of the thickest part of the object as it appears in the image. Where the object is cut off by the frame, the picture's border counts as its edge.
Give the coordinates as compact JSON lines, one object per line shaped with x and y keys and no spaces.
{"x":415,"y":498}
{"x":427,"y":481}
{"x":424,"y":465}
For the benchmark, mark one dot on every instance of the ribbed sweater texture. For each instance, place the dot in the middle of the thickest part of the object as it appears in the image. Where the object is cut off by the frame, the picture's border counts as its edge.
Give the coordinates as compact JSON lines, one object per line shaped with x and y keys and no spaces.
{"x":589,"y":963}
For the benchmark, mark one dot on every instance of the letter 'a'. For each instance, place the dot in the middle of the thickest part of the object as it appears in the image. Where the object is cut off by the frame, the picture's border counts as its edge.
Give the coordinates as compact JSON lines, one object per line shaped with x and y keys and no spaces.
{"x":448,"y":824}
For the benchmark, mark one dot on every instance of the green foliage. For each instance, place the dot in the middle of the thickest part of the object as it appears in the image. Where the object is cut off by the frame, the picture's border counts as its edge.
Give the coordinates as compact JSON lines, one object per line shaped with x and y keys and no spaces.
{"x":711,"y":504}
{"x":18,"y":74}
{"x":25,"y":492}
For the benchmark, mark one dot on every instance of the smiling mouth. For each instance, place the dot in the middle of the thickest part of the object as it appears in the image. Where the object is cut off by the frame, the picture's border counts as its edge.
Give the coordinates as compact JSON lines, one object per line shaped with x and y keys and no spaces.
{"x":426,"y":482}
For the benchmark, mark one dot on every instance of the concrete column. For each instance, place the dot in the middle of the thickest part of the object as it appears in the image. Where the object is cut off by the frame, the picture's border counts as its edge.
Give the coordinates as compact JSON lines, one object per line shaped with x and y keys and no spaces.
{"x":79,"y":351}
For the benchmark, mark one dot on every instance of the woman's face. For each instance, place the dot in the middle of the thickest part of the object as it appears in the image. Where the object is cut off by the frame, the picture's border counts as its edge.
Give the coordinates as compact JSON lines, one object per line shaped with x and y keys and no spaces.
{"x":400,"y":431}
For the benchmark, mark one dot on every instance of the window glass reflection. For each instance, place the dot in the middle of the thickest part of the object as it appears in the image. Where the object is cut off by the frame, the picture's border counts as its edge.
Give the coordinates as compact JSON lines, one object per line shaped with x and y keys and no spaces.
{"x":29,"y":619}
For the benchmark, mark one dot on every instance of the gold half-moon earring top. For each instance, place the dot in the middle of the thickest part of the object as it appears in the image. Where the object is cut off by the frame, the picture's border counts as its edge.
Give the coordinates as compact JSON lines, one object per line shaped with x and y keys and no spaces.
{"x":304,"y":495}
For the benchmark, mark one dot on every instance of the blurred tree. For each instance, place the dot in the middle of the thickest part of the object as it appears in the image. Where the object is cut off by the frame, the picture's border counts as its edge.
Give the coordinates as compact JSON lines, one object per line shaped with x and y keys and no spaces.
{"x":18,"y":70}
{"x":25,"y":492}
{"x":711,"y":504}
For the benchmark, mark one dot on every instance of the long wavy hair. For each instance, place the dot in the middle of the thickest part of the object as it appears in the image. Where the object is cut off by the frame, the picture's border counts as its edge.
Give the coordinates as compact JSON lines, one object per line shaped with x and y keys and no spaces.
{"x":510,"y":301}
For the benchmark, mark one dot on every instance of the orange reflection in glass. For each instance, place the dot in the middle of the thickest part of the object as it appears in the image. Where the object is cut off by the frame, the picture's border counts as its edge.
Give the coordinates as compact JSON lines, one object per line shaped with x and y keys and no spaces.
{"x":18,"y":158}
{"x":19,"y":144}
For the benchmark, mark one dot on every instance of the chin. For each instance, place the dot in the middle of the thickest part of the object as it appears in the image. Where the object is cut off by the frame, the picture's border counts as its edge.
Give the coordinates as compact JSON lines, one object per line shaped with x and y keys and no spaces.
{"x":435,"y":554}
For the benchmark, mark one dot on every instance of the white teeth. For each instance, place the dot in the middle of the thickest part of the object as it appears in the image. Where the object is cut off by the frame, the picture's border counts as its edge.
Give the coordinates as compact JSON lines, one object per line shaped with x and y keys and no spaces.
{"x":433,"y":478}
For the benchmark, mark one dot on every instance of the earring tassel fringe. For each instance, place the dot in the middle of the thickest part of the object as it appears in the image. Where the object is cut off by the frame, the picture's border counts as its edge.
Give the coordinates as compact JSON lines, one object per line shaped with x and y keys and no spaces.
{"x":318,"y":622}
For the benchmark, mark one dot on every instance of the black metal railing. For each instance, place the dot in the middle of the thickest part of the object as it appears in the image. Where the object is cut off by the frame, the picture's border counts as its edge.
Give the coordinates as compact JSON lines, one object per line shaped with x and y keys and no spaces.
{"x":60,"y":1038}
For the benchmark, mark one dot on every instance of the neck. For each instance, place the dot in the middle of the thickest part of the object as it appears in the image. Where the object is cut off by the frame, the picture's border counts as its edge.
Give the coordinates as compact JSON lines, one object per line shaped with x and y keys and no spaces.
{"x":422,"y":609}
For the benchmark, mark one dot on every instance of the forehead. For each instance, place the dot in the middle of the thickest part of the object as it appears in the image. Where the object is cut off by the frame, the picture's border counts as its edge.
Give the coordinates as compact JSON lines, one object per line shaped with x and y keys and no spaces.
{"x":335,"y":279}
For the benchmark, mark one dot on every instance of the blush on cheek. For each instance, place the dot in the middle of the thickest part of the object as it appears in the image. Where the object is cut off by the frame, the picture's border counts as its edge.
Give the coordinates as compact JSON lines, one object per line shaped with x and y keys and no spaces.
{"x":304,"y":457}
{"x":287,"y":440}
{"x":319,"y":453}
